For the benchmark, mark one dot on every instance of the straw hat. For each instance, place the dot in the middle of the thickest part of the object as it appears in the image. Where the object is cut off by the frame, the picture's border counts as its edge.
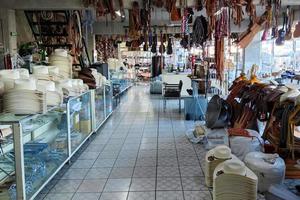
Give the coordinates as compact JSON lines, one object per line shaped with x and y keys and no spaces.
{"x":25,"y":84}
{"x":61,"y":52}
{"x":234,"y":181}
{"x":40,"y":70}
{"x":53,"y":70}
{"x":44,"y":85}
{"x":213,"y":158}
{"x":234,"y":167}
{"x":24,"y":73}
{"x":222,"y":152}
{"x":9,"y":74}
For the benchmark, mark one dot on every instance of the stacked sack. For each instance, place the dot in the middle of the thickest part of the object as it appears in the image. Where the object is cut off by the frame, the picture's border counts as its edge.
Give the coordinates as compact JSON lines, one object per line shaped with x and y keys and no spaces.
{"x":269,"y":168}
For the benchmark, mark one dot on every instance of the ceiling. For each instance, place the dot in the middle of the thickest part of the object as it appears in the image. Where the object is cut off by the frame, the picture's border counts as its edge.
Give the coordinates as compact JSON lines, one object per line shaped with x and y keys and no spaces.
{"x":77,"y":4}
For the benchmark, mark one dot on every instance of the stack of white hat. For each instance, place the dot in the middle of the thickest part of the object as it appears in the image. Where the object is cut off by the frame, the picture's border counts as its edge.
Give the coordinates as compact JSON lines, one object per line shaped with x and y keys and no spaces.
{"x":8,"y":78}
{"x":100,"y":79}
{"x":73,"y":87}
{"x":54,"y":97}
{"x":213,"y":158}
{"x":43,"y":72}
{"x":24,"y":98}
{"x":234,"y":181}
{"x":63,"y":61}
{"x":269,"y":168}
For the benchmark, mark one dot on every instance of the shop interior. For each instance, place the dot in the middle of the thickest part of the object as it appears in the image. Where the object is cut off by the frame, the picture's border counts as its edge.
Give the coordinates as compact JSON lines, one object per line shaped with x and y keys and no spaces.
{"x":150,"y":100}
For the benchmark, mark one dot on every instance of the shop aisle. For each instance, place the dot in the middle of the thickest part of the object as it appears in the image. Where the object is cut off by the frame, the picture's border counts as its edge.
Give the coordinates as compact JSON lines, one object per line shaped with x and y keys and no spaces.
{"x":140,"y":154}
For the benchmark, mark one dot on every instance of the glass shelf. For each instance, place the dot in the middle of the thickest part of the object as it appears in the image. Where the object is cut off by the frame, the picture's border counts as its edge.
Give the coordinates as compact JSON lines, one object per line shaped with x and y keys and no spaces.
{"x":80,"y":119}
{"x":45,"y":139}
{"x":7,"y":164}
{"x":108,"y":100}
{"x":99,"y":107}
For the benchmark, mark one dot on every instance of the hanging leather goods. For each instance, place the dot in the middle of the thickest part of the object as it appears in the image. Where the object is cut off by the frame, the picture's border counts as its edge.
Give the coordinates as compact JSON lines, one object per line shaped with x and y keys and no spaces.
{"x":199,"y":5}
{"x":281,"y":33}
{"x":200,"y":31}
{"x":159,"y":3}
{"x":219,"y":57}
{"x":175,"y":12}
{"x":110,"y":5}
{"x":122,"y":11}
{"x":146,"y":46}
{"x":100,"y":10}
{"x":268,"y":22}
{"x":169,"y":47}
{"x":251,"y":11}
{"x":162,"y":47}
{"x":276,"y":13}
{"x":134,"y":21}
{"x":289,"y":23}
{"x":211,"y":9}
{"x":154,"y":44}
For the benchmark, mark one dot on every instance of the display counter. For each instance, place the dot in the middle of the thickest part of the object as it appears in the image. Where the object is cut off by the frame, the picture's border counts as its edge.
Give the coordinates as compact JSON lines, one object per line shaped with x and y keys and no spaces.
{"x":36,"y":147}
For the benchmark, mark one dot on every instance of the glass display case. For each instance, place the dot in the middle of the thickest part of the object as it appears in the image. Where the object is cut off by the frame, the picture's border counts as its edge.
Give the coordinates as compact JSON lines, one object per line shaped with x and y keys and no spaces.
{"x":79,"y":112}
{"x":7,"y":161}
{"x":45,"y":148}
{"x":99,"y":99}
{"x":32,"y":154}
{"x":108,"y":100}
{"x":33,"y":148}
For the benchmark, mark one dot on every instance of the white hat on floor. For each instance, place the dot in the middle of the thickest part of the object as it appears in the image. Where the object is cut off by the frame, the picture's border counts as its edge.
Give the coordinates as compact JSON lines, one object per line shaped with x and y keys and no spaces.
{"x":234,"y":167}
{"x":234,"y":181}
{"x":213,"y":158}
{"x":222,"y":152}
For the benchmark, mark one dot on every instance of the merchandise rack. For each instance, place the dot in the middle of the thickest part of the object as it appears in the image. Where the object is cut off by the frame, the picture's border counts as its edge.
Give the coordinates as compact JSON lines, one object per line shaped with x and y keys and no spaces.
{"x":51,"y":139}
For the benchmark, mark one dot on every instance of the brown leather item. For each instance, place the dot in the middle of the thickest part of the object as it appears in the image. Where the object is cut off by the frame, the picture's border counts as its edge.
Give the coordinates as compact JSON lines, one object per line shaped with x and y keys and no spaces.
{"x":297,"y":30}
{"x":86,"y":75}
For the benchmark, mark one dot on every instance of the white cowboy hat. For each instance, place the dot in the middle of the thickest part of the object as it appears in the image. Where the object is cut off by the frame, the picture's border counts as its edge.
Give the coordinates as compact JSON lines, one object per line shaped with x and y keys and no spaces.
{"x":44,"y":85}
{"x":222,"y":152}
{"x":25,"y":84}
{"x":234,"y":167}
{"x":9,"y":74}
{"x":40,"y":69}
{"x":53,"y":70}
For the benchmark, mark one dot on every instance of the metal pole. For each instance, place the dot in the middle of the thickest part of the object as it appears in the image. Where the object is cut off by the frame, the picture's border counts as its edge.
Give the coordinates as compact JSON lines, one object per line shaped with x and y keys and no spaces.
{"x":19,"y":161}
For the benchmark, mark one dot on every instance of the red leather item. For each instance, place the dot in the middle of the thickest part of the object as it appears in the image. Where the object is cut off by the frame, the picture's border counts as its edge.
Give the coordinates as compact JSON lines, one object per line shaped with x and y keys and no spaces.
{"x":238,"y":132}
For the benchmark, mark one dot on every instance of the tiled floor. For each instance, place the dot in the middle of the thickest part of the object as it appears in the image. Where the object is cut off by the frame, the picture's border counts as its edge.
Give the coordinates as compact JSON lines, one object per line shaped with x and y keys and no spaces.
{"x":140,"y":154}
